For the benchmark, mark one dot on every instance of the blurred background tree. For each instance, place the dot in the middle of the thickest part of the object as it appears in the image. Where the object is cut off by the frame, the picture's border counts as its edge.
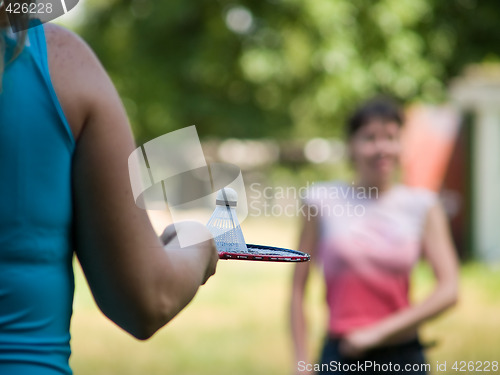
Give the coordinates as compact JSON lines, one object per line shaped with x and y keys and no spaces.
{"x":280,"y":68}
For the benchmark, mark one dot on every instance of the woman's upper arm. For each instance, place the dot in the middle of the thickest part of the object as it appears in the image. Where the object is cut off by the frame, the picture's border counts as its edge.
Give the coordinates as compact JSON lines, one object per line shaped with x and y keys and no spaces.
{"x":439,"y":249}
{"x":307,"y":243}
{"x":109,"y":227}
{"x":309,"y":234}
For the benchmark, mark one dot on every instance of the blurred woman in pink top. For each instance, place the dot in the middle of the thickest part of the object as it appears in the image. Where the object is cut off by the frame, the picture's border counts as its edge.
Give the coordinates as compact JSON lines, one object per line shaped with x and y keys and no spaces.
{"x":367,"y":236}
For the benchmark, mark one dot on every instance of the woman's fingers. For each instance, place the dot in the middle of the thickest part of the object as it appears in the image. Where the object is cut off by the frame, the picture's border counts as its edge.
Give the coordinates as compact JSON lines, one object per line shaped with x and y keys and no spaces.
{"x":168,"y":234}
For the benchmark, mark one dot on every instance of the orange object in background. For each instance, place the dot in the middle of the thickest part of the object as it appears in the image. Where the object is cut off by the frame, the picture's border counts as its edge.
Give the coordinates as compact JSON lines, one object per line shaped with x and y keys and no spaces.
{"x":435,"y":156}
{"x":428,"y":141}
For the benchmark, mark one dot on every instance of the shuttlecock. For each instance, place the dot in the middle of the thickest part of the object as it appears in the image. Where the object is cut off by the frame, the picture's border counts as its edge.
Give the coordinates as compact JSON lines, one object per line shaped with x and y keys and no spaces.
{"x":224,"y":225}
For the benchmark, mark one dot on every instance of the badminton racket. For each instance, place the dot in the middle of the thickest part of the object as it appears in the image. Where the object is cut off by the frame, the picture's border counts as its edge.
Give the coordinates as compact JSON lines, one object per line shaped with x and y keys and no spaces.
{"x":229,"y":239}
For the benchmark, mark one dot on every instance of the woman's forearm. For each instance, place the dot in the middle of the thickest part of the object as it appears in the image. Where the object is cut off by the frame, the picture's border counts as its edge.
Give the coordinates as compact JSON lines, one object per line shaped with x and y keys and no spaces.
{"x":179,"y":278}
{"x":406,"y":321}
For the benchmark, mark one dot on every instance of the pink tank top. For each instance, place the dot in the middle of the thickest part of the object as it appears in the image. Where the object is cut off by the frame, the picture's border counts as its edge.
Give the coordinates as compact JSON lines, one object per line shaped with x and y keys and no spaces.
{"x":368,"y":245}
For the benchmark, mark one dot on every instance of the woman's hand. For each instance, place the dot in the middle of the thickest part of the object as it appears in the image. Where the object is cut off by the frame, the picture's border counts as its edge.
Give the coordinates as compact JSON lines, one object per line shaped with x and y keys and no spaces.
{"x":205,"y":248}
{"x":358,"y":342}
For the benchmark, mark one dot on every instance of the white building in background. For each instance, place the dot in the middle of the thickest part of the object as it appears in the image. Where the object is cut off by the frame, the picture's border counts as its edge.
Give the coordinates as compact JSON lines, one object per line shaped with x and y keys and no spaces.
{"x":478,"y":92}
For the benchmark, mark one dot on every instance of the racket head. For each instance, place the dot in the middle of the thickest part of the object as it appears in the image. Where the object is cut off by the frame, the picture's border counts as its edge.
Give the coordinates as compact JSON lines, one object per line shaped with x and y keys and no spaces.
{"x":266,"y":254}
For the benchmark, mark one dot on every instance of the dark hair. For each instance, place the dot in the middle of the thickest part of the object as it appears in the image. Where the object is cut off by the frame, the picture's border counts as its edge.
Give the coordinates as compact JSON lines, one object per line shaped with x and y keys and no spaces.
{"x":379,"y":108}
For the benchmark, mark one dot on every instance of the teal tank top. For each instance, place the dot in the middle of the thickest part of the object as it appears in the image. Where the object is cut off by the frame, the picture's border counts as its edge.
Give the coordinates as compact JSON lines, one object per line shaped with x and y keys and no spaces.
{"x":36,"y":274}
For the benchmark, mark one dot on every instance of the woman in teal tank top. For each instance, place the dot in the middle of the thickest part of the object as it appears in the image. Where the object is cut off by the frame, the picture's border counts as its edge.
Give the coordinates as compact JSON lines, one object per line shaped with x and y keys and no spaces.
{"x":36,"y":280}
{"x":64,"y":145}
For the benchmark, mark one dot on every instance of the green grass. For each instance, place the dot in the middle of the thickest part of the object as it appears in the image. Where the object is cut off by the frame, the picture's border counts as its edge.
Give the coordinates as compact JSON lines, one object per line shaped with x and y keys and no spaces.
{"x":238,"y":322}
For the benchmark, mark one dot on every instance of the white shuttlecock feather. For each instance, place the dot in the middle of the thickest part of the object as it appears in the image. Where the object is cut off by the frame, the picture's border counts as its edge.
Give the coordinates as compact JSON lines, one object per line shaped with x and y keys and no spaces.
{"x":224,"y":225}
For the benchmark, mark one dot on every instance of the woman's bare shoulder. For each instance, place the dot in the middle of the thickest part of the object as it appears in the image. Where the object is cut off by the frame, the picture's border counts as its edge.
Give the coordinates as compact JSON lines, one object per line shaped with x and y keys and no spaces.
{"x":75,"y":71}
{"x":67,"y":44}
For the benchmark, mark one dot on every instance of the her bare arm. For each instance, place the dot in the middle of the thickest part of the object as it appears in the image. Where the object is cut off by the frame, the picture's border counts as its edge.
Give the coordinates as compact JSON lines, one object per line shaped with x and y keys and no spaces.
{"x":308,"y":240}
{"x":137,"y":283}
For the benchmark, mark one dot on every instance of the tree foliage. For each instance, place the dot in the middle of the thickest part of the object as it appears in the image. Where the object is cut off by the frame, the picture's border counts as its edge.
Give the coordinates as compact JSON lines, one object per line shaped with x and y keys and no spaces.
{"x":281,"y":68}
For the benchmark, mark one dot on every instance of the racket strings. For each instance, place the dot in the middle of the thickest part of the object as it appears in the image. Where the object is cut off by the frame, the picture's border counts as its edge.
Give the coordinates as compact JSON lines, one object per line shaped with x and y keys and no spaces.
{"x":265,"y":252}
{"x":268,"y":253}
